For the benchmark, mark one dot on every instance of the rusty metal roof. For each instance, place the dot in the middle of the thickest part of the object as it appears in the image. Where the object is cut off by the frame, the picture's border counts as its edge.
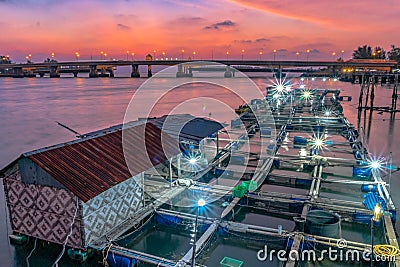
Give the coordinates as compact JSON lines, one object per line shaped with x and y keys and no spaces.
{"x":91,"y":166}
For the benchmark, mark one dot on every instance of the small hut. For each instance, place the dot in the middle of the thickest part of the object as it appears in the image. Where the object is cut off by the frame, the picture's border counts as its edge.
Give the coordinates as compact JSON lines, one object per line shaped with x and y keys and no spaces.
{"x":77,"y":192}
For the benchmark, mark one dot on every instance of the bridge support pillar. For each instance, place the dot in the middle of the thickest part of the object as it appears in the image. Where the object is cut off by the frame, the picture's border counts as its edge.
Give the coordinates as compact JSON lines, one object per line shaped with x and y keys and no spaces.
{"x":111,"y":72}
{"x":93,"y":71}
{"x":334,"y":71}
{"x":75,"y":73}
{"x":30,"y":74}
{"x":135,"y":71}
{"x":228,"y":72}
{"x":184,"y":71}
{"x":18,"y":72}
{"x":54,"y":72}
{"x":103,"y":73}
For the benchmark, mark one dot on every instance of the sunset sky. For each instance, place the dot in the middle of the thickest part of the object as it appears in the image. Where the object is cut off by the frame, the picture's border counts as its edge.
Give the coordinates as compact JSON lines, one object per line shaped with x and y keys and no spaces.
{"x":40,"y":27}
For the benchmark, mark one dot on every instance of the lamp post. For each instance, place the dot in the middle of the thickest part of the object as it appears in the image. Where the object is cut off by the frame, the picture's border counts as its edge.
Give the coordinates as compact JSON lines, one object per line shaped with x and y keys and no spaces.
{"x":77,"y":56}
{"x":242,"y":53}
{"x":163,"y":54}
{"x":274,"y":54}
{"x":52,"y":55}
{"x":133,"y":55}
{"x":200,"y":203}
{"x":182,"y":51}
{"x":101,"y":55}
{"x":308,"y":52}
{"x":375,"y":218}
{"x":227,"y":55}
{"x":154,"y":54}
{"x":297,"y":55}
{"x":342,"y":54}
{"x":194,"y":54}
{"x":28,"y":58}
{"x":260,"y":53}
{"x":127,"y":55}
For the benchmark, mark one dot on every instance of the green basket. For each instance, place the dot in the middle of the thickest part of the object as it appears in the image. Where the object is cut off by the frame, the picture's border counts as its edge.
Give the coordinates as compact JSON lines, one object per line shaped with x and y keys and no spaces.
{"x":239,"y":191}
{"x":229,"y":262}
{"x":250,"y":185}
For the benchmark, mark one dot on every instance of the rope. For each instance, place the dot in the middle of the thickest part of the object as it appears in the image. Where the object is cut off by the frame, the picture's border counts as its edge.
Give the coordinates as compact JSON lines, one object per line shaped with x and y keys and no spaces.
{"x":106,"y":255}
{"x":69,"y":234}
{"x":134,"y":231}
{"x":30,"y":254}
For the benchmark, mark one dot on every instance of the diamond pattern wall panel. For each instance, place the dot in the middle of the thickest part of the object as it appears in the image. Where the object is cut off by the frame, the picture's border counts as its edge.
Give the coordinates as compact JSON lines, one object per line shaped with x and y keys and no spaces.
{"x":43,"y":212}
{"x":109,"y":209}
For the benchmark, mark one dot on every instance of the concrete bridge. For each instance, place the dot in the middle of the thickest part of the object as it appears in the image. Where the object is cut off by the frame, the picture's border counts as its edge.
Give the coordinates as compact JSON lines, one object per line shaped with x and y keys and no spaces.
{"x":105,"y":68}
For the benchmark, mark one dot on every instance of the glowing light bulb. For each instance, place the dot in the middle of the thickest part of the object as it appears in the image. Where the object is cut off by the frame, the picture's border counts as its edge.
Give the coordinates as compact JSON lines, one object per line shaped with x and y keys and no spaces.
{"x":375,"y":164}
{"x":280,"y":88}
{"x":201,"y":202}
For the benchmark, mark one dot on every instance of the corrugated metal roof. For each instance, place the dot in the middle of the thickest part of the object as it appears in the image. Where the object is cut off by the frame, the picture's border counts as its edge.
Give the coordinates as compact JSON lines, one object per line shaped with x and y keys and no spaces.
{"x":186,"y":126}
{"x":91,"y":166}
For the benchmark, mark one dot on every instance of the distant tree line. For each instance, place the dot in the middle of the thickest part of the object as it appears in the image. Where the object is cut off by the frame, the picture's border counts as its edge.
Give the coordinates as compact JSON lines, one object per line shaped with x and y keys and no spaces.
{"x":366,"y":52}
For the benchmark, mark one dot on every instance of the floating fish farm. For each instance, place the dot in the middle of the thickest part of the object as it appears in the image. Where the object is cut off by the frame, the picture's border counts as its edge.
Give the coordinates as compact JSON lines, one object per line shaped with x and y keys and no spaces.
{"x":300,"y":182}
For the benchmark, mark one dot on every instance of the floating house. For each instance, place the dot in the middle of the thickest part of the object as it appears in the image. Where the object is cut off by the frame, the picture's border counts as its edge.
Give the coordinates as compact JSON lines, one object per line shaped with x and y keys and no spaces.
{"x":83,"y":185}
{"x":79,"y":191}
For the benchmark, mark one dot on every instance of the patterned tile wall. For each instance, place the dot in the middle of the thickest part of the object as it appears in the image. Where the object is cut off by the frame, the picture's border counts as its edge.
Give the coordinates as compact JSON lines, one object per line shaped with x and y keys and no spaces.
{"x":43,"y":212}
{"x":112,"y":207}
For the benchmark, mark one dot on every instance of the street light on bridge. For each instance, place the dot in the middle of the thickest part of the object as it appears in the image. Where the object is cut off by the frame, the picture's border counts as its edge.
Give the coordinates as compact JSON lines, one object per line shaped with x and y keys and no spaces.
{"x":333,"y":55}
{"x":297,"y":55}
{"x":342,"y":55}
{"x":227,"y":55}
{"x":133,"y":55}
{"x":77,"y":56}
{"x":154,"y":54}
{"x":260,"y":53}
{"x":127,"y":55}
{"x":101,"y":55}
{"x":194,"y":54}
{"x":308,"y":52}
{"x":182,"y":51}
{"x":163,"y":53}
{"x":242,"y":53}
{"x":274,"y":53}
{"x":52,"y":55}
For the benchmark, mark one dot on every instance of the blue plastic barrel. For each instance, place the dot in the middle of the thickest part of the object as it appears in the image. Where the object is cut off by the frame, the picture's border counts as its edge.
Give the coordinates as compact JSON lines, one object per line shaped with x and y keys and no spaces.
{"x":119,"y":261}
{"x":368,"y":188}
{"x":265,"y":131}
{"x":300,"y":140}
{"x":361,"y":171}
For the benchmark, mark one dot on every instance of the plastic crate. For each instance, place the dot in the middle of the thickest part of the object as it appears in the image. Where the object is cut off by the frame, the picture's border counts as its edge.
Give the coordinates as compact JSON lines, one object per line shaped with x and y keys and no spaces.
{"x":229,"y":262}
{"x":250,"y":185}
{"x":239,"y":191}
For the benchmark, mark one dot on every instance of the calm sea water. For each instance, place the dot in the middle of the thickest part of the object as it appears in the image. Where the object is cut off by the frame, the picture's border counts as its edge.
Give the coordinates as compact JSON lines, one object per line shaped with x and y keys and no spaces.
{"x":30,"y":107}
